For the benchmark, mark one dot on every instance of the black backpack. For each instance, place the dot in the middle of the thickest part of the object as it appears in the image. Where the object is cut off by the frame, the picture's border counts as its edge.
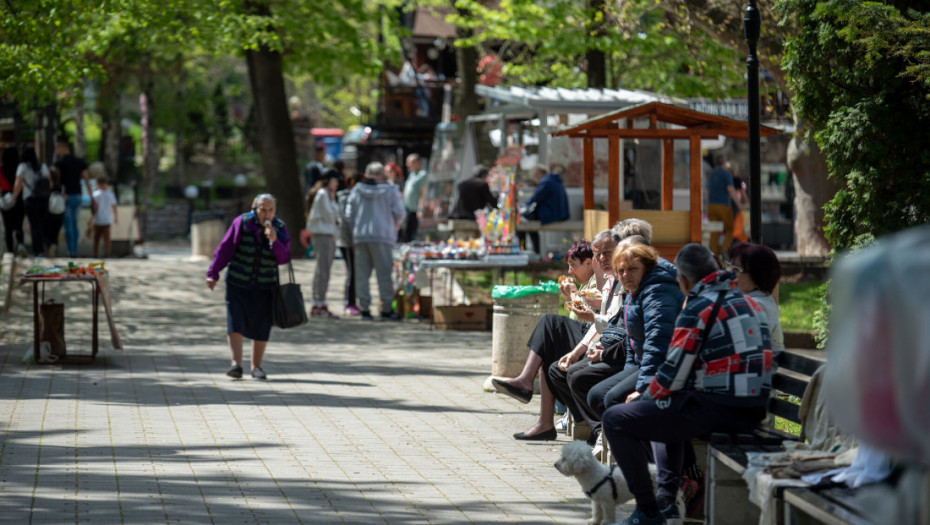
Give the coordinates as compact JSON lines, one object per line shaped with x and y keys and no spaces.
{"x":41,"y":188}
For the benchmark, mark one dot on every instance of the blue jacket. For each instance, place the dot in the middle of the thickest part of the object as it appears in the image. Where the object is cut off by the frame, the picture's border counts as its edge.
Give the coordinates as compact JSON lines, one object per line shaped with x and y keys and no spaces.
{"x":551,"y":200}
{"x":649,"y":315}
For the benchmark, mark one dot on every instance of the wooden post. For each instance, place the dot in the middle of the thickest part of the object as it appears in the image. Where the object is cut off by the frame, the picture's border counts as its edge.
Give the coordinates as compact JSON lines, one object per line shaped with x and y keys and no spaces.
{"x":695,"y":161}
{"x":588,"y":169}
{"x":613,"y":180}
{"x":668,"y":172}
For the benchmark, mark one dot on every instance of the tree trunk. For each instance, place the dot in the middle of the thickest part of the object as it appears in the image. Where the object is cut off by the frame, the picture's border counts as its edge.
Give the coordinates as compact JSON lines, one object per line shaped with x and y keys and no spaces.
{"x":109,"y":109}
{"x":813,"y":189}
{"x":80,"y":140}
{"x":595,"y":58}
{"x":276,"y":138}
{"x":150,"y":179}
{"x":466,"y":58}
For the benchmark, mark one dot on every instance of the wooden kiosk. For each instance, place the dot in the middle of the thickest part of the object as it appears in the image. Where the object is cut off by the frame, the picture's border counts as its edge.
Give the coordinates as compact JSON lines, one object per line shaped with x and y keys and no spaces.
{"x":671,"y":229}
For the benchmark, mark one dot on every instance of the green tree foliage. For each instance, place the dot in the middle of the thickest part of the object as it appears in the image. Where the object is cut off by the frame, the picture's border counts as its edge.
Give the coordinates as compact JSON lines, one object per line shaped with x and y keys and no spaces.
{"x":645,"y":45}
{"x":860,"y":73}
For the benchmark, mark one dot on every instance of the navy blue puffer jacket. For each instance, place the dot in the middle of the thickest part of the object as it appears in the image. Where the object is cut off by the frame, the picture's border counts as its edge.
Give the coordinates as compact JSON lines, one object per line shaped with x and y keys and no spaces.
{"x":649,"y":315}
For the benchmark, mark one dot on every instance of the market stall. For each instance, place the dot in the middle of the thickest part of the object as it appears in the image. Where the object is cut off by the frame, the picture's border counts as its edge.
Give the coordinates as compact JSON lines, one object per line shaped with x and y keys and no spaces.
{"x":655,"y":121}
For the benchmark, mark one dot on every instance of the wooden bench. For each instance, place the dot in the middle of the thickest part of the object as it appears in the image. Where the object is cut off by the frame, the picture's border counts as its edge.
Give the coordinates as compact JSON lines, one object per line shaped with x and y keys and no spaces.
{"x":726,"y":494}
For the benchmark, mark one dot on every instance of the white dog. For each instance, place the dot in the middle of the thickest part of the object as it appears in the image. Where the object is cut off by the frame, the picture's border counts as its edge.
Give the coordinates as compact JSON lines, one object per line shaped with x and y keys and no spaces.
{"x":605,"y":486}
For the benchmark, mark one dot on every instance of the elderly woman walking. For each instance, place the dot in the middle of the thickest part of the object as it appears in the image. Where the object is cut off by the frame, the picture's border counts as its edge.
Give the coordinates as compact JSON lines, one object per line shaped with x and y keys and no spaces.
{"x":253,"y":247}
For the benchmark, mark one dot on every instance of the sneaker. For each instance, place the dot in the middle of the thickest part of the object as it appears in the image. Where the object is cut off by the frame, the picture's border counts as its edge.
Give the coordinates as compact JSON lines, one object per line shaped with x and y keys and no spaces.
{"x":562,"y":424}
{"x":671,"y":513}
{"x":258,"y":373}
{"x":326,"y":314}
{"x":351,"y":310}
{"x":692,"y":494}
{"x":598,"y":449}
{"x":638,"y":518}
{"x":390,"y":316}
{"x":366,"y":315}
{"x":234,"y":372}
{"x":315,"y":311}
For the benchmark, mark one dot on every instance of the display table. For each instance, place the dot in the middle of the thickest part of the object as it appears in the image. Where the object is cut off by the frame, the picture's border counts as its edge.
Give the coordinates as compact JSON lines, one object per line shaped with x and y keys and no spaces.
{"x":99,"y":286}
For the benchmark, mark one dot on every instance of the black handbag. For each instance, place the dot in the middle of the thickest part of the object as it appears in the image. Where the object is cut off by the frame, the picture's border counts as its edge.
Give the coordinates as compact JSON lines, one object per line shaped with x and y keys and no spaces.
{"x":288,"y":307}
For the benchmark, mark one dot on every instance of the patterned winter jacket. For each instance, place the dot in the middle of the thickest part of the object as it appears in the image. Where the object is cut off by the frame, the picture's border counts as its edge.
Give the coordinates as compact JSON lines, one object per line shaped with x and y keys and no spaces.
{"x":734,"y":366}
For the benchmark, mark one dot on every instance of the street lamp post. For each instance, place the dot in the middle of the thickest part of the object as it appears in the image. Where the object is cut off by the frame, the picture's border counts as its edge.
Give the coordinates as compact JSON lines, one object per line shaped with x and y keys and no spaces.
{"x":751,"y":28}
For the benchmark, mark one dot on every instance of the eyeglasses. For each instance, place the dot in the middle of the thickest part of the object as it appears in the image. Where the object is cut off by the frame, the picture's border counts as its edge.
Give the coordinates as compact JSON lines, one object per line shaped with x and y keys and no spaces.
{"x":735,"y":269}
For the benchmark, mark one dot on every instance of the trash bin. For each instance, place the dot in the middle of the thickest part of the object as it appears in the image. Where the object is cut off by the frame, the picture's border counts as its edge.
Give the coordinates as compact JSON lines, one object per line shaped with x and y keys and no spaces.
{"x":207,"y":230}
{"x":516,"y":311}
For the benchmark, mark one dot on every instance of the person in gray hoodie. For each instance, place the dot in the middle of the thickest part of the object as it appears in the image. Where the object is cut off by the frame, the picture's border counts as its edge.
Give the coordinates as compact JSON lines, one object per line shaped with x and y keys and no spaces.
{"x":374,"y":212}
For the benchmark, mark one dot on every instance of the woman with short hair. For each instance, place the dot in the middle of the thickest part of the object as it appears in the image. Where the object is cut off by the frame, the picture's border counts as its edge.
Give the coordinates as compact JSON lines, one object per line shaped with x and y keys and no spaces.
{"x":253,"y":247}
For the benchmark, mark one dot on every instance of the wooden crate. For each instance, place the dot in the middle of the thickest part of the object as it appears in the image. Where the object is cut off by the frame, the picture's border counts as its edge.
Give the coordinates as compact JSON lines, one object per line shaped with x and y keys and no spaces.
{"x":461,"y":317}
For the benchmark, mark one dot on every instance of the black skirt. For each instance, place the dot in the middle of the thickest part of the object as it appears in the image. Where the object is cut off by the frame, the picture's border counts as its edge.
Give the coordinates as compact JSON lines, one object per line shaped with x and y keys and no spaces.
{"x":248,"y":311}
{"x":554,"y":336}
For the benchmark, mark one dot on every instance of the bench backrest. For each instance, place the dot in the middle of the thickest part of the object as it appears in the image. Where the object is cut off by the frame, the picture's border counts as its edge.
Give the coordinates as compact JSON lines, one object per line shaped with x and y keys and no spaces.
{"x":792,"y":377}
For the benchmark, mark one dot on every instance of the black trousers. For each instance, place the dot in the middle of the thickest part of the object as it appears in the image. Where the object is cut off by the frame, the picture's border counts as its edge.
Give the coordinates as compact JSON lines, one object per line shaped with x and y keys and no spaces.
{"x":348,"y":257}
{"x":409,"y":231}
{"x":577,"y":382}
{"x":37,"y":213}
{"x":13,"y":225}
{"x":554,"y":336}
{"x":668,"y":424}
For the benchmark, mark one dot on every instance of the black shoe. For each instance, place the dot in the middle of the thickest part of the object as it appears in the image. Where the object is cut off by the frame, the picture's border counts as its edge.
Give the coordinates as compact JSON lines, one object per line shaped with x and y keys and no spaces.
{"x":235,"y":372}
{"x":390,"y":316}
{"x":546,"y":435}
{"x":366,"y":315}
{"x":521,"y":395}
{"x":258,"y":373}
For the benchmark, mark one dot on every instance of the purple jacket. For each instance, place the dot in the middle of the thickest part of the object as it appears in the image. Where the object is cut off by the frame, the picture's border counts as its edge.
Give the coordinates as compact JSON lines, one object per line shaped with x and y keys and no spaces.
{"x":246,"y":225}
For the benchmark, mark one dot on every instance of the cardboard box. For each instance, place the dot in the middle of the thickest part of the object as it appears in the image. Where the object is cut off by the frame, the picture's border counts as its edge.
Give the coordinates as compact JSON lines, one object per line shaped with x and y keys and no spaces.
{"x":461,"y":317}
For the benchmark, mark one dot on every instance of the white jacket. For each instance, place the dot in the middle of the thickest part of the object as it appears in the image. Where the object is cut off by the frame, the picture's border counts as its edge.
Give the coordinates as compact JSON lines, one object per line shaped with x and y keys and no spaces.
{"x":324,"y":215}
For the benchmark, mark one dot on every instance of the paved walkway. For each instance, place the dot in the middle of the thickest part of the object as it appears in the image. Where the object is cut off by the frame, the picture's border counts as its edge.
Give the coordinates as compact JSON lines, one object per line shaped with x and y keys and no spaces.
{"x":359,"y":422}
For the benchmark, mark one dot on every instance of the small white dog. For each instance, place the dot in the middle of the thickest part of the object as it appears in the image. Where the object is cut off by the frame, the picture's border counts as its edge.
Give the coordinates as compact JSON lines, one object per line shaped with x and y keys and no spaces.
{"x":605,"y":486}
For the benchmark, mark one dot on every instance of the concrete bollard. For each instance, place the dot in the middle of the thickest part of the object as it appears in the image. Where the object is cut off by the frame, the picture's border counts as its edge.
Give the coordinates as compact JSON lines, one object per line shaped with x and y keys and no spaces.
{"x":205,"y":236}
{"x":512,"y":324}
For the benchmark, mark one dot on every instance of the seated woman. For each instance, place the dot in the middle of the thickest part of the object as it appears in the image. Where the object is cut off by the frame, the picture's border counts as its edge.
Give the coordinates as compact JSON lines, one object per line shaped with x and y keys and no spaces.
{"x":553,"y":337}
{"x":757,"y":273}
{"x":648,"y":314}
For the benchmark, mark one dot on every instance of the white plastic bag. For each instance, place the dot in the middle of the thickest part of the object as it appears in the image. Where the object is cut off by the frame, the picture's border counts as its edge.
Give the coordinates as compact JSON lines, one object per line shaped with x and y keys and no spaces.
{"x":878,"y":365}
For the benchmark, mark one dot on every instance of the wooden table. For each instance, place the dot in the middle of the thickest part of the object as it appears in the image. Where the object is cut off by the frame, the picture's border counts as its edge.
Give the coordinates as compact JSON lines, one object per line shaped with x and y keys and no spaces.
{"x":36,"y":280}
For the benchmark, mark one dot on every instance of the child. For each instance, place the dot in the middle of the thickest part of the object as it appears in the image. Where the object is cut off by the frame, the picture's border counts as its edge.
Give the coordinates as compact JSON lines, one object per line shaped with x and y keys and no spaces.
{"x":104,"y":204}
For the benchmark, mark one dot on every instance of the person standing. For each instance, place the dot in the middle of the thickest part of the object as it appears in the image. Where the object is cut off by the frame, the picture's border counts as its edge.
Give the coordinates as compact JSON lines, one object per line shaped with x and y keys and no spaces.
{"x":54,"y":218}
{"x":323,"y":224}
{"x":253,"y":247}
{"x":413,"y":191}
{"x":73,"y":171}
{"x":374,"y":211}
{"x":33,"y":183}
{"x":14,"y":214}
{"x":104,"y":216}
{"x":721,"y":194}
{"x":473,"y":195}
{"x":313,"y":172}
{"x":344,"y":243}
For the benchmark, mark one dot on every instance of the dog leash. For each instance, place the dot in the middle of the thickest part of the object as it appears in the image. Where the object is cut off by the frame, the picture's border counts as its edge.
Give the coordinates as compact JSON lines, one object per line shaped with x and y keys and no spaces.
{"x":609,"y":477}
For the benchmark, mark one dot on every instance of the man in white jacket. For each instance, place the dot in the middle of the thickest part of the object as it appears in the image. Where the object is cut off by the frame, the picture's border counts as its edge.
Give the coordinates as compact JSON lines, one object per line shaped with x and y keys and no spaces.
{"x":374,"y":213}
{"x":323,"y":224}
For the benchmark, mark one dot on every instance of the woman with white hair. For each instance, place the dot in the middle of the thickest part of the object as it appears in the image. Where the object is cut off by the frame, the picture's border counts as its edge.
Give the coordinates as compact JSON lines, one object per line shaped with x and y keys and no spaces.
{"x":253,"y":247}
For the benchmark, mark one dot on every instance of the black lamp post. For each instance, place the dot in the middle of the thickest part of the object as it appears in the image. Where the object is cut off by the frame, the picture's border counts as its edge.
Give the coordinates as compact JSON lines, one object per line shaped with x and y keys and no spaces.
{"x":751,"y":25}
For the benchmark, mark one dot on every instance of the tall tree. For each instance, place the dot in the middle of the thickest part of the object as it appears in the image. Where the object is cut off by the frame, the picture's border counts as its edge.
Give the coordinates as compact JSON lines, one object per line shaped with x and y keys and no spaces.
{"x":861,"y":77}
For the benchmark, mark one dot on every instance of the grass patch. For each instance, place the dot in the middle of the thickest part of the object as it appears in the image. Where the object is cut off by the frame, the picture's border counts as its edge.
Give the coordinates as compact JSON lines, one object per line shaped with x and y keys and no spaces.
{"x":797,"y":303}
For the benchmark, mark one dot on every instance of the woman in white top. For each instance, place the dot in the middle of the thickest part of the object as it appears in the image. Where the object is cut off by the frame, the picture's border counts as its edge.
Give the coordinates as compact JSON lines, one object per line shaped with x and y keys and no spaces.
{"x":757,"y":273}
{"x":33,"y":182}
{"x":323,"y":224}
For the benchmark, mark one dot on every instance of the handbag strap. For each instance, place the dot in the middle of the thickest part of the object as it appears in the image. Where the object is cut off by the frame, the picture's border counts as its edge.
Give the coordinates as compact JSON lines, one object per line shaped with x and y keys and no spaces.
{"x":290,"y":271}
{"x":712,"y":318}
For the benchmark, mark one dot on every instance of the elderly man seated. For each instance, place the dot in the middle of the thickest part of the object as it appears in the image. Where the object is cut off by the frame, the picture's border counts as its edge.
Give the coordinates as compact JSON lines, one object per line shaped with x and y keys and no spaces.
{"x":716,"y":378}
